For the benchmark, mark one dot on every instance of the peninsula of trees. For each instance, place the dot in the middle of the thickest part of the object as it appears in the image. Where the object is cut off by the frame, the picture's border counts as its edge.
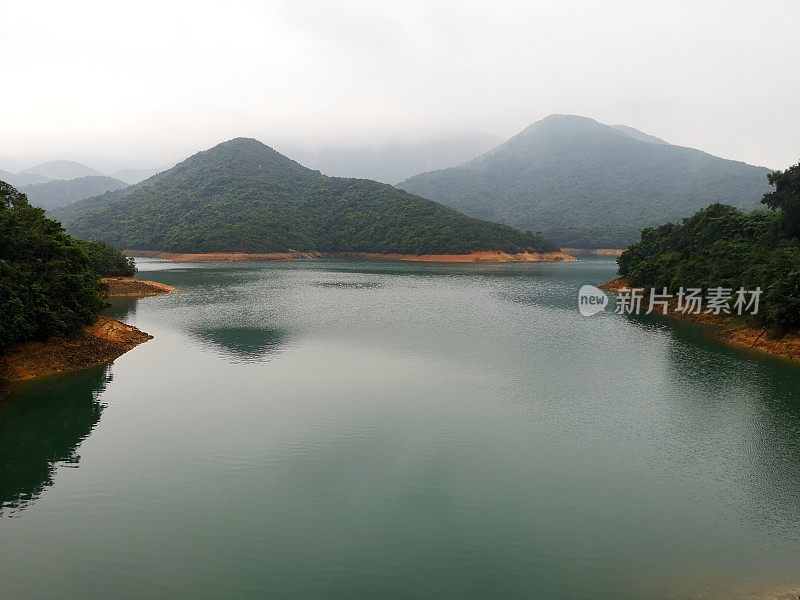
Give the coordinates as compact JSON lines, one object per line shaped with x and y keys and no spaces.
{"x":721,"y":246}
{"x":50,"y":283}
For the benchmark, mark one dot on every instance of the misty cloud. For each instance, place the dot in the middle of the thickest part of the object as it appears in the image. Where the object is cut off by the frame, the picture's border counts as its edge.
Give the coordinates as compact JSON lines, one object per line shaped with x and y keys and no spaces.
{"x":146,"y":84}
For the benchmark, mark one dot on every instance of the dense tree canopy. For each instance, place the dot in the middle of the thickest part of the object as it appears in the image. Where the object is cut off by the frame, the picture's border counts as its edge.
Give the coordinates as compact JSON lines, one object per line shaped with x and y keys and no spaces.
{"x":106,"y":260}
{"x":589,"y":185}
{"x":786,"y":197}
{"x":242,"y":196}
{"x":60,"y":192}
{"x":722,"y":246}
{"x":48,"y":283}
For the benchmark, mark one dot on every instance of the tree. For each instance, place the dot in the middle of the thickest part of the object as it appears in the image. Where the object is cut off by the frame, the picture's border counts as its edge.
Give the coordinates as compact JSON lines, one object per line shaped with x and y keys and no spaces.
{"x":722,"y":246}
{"x":786,"y":197}
{"x":107,"y":261}
{"x":47,"y":284}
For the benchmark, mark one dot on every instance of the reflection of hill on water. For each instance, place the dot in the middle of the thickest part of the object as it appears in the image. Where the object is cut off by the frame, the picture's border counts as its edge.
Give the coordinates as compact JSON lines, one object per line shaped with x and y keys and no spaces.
{"x":245,"y":344}
{"x":42,"y":426}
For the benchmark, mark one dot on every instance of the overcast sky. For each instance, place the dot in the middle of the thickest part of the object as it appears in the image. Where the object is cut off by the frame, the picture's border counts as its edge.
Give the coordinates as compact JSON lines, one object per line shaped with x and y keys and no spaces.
{"x":147,"y":83}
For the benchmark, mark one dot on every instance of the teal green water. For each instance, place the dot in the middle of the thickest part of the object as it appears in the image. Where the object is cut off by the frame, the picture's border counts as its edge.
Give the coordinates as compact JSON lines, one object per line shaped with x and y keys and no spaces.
{"x":384,"y":430}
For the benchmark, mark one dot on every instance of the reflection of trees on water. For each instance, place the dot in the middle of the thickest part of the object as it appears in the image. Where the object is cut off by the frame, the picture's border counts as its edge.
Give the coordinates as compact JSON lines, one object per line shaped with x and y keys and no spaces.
{"x":245,"y":344}
{"x":41,"y":427}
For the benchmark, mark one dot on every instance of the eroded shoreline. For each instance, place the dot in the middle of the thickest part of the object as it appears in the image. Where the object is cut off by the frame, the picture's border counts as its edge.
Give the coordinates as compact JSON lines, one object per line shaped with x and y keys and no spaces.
{"x":131,"y":287}
{"x":486,"y":256}
{"x":730,"y":330}
{"x":103,"y":341}
{"x":607,"y":252}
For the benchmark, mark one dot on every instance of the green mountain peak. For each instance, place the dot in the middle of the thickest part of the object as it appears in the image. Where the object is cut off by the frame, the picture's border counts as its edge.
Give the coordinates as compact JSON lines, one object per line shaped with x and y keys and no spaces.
{"x":584,"y":183}
{"x":243,"y":196}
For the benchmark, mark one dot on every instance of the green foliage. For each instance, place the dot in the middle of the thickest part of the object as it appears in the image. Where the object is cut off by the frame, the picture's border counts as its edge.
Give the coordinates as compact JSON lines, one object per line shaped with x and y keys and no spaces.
{"x":786,"y":197}
{"x":60,"y":192}
{"x":595,"y":236}
{"x":721,"y":246}
{"x":242,"y":196}
{"x":107,"y":261}
{"x":585,"y":184}
{"x":47,"y":285}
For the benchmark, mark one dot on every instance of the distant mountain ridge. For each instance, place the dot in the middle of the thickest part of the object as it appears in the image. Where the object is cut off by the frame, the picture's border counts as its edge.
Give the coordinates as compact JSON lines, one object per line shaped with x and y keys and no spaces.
{"x":65,"y":170}
{"x":60,"y":192}
{"x":242,"y":196}
{"x":62,"y":169}
{"x":54,"y":170}
{"x":590,"y":185}
{"x":20,"y":179}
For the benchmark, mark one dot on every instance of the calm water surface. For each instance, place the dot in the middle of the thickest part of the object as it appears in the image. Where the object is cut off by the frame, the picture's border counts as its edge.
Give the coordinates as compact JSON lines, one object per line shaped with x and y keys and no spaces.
{"x":382,"y":430}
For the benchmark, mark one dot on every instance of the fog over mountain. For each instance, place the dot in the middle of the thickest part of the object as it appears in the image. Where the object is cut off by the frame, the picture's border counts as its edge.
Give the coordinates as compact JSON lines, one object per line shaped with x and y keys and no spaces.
{"x":21,"y":179}
{"x":713,"y":75}
{"x":61,"y":169}
{"x":60,"y":192}
{"x":395,"y":161}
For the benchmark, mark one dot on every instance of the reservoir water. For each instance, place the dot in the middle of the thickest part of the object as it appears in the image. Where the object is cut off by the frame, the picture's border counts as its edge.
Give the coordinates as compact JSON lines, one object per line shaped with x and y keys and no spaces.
{"x":365,"y":430}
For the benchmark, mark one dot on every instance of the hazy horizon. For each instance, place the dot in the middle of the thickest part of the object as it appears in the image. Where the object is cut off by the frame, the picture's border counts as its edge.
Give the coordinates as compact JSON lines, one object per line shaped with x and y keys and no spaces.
{"x":146,"y":85}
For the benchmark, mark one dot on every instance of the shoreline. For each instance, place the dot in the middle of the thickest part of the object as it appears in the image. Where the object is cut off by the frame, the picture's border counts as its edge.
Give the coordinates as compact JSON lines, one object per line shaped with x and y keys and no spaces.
{"x":221,"y":256}
{"x":729,"y":330}
{"x":99,"y":343}
{"x":608,"y":252}
{"x":483,"y":256}
{"x":486,"y":256}
{"x":131,"y":287}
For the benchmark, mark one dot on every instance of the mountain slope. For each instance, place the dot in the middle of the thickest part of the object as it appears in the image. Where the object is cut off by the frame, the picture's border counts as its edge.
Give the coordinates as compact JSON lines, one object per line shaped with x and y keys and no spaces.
{"x":638,"y":135}
{"x":588,"y":184}
{"x":242,"y":196}
{"x":62,"y":169}
{"x":131,"y":176}
{"x":60,"y":192}
{"x":20,"y":179}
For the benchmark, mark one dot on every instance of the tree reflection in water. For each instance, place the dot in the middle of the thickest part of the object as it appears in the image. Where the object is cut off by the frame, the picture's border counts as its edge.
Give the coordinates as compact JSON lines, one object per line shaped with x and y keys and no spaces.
{"x":41,"y":427}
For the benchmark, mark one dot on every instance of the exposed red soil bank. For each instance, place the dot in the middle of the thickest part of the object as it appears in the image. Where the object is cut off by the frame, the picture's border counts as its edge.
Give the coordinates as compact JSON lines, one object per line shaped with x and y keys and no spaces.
{"x":487,"y":256}
{"x":731,"y":330}
{"x":96,"y":344}
{"x":130,"y":287}
{"x":220,"y":256}
{"x":594,"y":252}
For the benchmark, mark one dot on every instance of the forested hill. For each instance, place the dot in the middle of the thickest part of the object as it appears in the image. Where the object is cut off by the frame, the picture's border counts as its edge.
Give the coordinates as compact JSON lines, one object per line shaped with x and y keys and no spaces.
{"x":49,"y":282}
{"x":242,"y":196}
{"x":62,"y":169}
{"x":721,"y":246}
{"x":60,"y":192}
{"x":590,"y":185}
